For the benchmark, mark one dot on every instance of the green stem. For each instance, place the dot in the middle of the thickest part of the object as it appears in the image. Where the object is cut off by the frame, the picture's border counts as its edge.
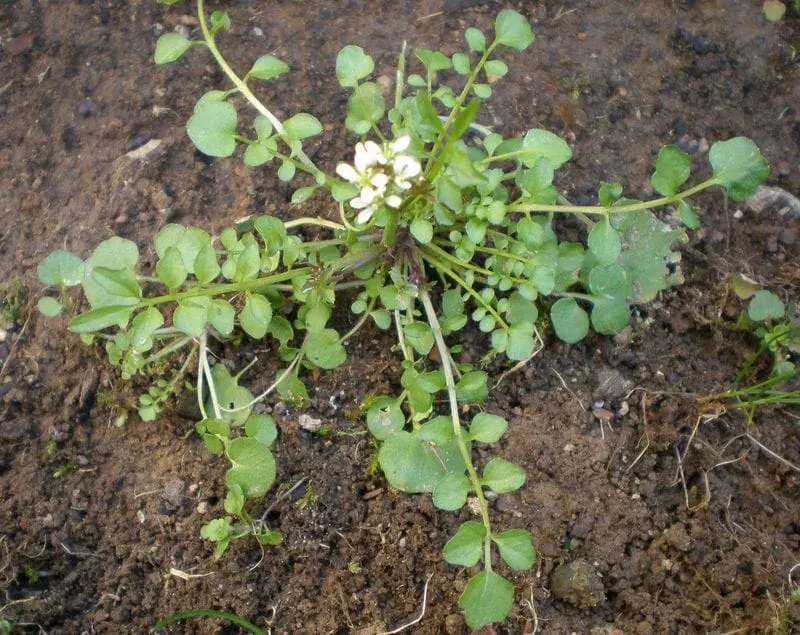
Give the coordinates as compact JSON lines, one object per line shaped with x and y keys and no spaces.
{"x":231,"y":617}
{"x":438,"y":144}
{"x":314,"y":221}
{"x":463,"y":284}
{"x":615,"y":209}
{"x":232,"y":287}
{"x":167,"y":350}
{"x":245,"y":90}
{"x":447,"y":369}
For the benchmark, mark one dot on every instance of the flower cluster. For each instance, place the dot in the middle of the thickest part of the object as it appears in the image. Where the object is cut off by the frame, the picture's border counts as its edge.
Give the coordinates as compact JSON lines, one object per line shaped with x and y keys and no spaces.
{"x":382,"y":174}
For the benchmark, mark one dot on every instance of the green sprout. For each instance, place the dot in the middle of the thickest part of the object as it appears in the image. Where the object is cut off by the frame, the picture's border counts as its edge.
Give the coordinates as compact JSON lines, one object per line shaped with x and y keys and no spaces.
{"x":443,"y":224}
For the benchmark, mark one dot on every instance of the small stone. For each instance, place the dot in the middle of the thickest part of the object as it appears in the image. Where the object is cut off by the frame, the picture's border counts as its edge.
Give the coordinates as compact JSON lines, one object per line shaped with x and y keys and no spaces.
{"x":173,"y":492}
{"x":20,"y":44}
{"x":454,"y":624}
{"x":258,"y":31}
{"x":577,"y":583}
{"x":624,"y":408}
{"x":309,"y":423}
{"x":601,"y":414}
{"x":86,"y":108}
{"x":569,"y":448}
{"x":202,"y":507}
{"x":141,"y":517}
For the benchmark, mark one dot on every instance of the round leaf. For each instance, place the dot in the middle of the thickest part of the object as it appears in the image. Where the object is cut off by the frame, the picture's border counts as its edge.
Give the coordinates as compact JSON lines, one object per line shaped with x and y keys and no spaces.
{"x":570,"y":321}
{"x":466,"y":547}
{"x":212,"y":128}
{"x":673,"y":167}
{"x":191,"y":315}
{"x":384,"y":418}
{"x":487,"y":428}
{"x":352,"y":64}
{"x":61,"y":268}
{"x":738,"y":166}
{"x":487,"y":598}
{"x":475,"y":39}
{"x":610,"y":316}
{"x":262,"y":429}
{"x":451,"y":491}
{"x":512,"y":29}
{"x":302,"y":125}
{"x":364,"y":107}
{"x":170,"y":269}
{"x":49,"y":307}
{"x":516,"y":548}
{"x":170,"y":47}
{"x":256,"y":315}
{"x":324,"y":350}
{"x":409,"y":464}
{"x":221,"y":316}
{"x":267,"y":67}
{"x":422,"y":230}
{"x":764,"y":306}
{"x":503,"y":476}
{"x":604,"y":241}
{"x":253,"y":467}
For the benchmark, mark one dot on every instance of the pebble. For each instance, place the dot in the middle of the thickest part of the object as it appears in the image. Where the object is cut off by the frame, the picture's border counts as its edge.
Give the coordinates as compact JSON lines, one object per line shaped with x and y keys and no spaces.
{"x":173,"y":492}
{"x":202,"y":507}
{"x":309,"y":423}
{"x":577,"y":583}
{"x":258,"y":31}
{"x":454,"y":624}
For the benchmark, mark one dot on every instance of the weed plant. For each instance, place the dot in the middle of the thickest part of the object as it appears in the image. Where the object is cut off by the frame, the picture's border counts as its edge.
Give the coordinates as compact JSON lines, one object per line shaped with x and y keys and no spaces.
{"x":440,"y":222}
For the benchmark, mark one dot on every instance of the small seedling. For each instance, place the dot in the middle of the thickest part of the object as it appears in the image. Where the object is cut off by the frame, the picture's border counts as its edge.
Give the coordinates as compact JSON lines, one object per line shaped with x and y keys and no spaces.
{"x":443,"y":225}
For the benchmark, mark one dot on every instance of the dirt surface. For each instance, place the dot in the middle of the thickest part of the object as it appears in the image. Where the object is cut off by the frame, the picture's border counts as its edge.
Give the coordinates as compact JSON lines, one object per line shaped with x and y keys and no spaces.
{"x":94,"y":516}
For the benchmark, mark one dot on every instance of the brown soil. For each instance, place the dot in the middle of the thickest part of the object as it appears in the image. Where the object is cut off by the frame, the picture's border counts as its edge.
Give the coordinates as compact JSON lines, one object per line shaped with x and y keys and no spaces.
{"x":89,"y":548}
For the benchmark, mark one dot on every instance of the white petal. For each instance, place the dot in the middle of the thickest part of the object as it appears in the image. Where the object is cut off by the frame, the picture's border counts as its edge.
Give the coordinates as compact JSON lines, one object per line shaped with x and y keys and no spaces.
{"x":362,"y":160}
{"x":368,"y":195}
{"x":347,"y":172}
{"x":357,"y":203}
{"x":403,"y":185}
{"x":406,"y":167}
{"x":393,"y":201}
{"x":375,"y":153}
{"x":400,"y":144}
{"x":365,"y":214}
{"x":380,"y":181}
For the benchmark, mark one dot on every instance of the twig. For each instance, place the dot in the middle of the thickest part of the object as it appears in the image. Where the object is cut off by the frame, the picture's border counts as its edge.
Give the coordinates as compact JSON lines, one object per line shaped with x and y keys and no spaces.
{"x":78,"y":554}
{"x":532,"y":606}
{"x":563,"y":383}
{"x":421,"y":615}
{"x":646,"y":435}
{"x":281,"y":498}
{"x":771,"y":453}
{"x":14,"y":346}
{"x":524,"y":362}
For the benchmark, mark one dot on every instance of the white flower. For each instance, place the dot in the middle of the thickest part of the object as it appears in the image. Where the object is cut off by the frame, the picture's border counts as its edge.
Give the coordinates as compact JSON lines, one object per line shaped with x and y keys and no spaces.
{"x":382,"y":174}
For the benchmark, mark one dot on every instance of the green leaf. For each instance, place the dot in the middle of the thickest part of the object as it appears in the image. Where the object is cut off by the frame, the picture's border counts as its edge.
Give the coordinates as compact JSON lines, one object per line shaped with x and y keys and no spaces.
{"x":438,"y":430}
{"x":216,"y":530}
{"x":688,"y":216}
{"x":487,"y":598}
{"x":170,"y":47}
{"x":774,"y":10}
{"x":272,"y":231}
{"x":256,"y":315}
{"x":261,"y":428}
{"x":118,"y":282}
{"x":476,"y":40}
{"x":268,"y":67}
{"x":646,"y":253}
{"x":472,"y":386}
{"x":191,"y":315}
{"x":420,"y":336}
{"x":521,"y":309}
{"x":220,"y":20}
{"x":189,"y":241}
{"x":451,"y":492}
{"x":382,"y":318}
{"x":433,"y":61}
{"x":61,"y":268}
{"x":520,"y":342}
{"x":364,"y":108}
{"x":487,"y":428}
{"x":212,"y":128}
{"x":287,"y":171}
{"x":482,"y":91}
{"x":49,"y":307}
{"x":610,"y":316}
{"x":570,"y":321}
{"x":221,"y":316}
{"x":461,"y":63}
{"x":101,"y":318}
{"x":230,"y":395}
{"x":234,"y":501}
{"x":604,"y":241}
{"x":503,"y":476}
{"x":466,"y":547}
{"x":352,"y":64}
{"x":410,"y":464}
{"x":422,"y":230}
{"x":206,"y":268}
{"x":495,"y":69}
{"x":324,"y":350}
{"x":765,"y":306}
{"x":673,"y":167}
{"x":512,"y":29}
{"x":302,"y":194}
{"x":248,"y":263}
{"x":738,"y":166}
{"x":253,"y":467}
{"x":609,"y":193}
{"x":291,"y":389}
{"x":516,"y":548}
{"x":142,"y":329}
{"x":384,"y":418}
{"x":170,"y":269}
{"x":543,"y":143}
{"x":302,"y":126}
